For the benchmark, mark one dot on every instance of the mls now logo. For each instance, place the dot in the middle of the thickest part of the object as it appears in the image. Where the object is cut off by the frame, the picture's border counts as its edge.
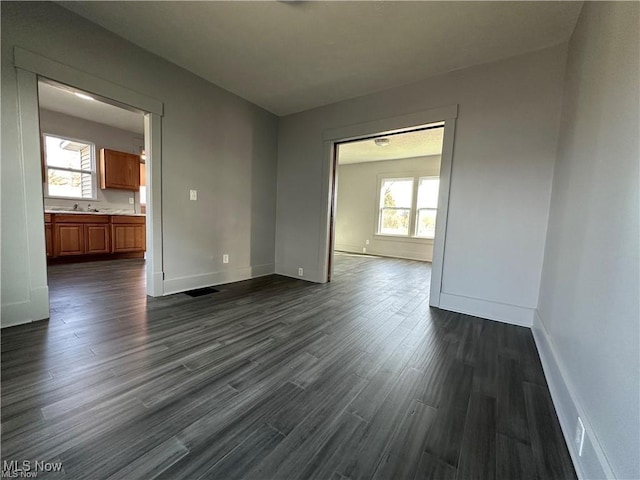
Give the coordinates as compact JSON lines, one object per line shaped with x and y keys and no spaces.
{"x":27,"y":468}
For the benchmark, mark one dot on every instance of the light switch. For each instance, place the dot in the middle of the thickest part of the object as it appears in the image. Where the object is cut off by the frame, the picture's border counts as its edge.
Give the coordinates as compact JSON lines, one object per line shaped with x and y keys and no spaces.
{"x":193,"y":195}
{"x":130,"y":200}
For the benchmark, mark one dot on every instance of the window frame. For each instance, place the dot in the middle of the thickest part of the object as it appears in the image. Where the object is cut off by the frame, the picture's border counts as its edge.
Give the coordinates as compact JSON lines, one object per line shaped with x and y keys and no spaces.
{"x":412,"y":236}
{"x":46,"y":167}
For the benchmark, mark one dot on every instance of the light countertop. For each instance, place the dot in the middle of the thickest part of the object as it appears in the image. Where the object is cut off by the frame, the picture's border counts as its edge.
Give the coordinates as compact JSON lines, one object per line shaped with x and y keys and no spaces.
{"x":78,"y":212}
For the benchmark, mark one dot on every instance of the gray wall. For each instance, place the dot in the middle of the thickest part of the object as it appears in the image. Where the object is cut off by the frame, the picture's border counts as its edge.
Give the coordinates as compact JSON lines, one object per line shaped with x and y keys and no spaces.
{"x":212,"y":141}
{"x":357,"y":210}
{"x":588,"y":311}
{"x":503,"y":158}
{"x":103,"y":136}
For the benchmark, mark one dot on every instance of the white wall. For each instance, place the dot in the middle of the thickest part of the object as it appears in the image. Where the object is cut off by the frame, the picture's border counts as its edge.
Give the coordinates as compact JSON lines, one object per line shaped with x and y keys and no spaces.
{"x":503,"y":158}
{"x":103,"y":136}
{"x":357,"y":211}
{"x":212,"y":141}
{"x":588,"y":326}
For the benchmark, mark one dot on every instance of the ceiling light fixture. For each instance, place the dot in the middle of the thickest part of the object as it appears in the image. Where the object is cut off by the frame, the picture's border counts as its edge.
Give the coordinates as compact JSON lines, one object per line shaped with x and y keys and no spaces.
{"x":84,"y":96}
{"x":382,"y":142}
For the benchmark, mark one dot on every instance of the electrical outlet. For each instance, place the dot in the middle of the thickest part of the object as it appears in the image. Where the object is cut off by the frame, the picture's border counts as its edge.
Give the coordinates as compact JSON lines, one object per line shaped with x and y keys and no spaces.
{"x":193,"y":195}
{"x":579,"y":438}
{"x":366,"y":242}
{"x":225,"y":258}
{"x":364,"y":249}
{"x":301,"y":271}
{"x":130,"y":200}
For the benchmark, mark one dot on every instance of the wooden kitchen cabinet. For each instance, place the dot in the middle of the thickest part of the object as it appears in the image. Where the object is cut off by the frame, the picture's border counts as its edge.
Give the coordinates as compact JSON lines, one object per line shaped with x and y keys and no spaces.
{"x":119,"y":170}
{"x":48,"y":234}
{"x":128,"y":234}
{"x":97,"y":239}
{"x":69,"y":239}
{"x":117,"y":236}
{"x":80,"y":234}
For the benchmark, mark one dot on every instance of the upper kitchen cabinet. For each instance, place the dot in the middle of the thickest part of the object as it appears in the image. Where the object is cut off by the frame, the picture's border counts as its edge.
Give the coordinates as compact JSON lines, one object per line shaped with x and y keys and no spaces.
{"x":119,"y":170}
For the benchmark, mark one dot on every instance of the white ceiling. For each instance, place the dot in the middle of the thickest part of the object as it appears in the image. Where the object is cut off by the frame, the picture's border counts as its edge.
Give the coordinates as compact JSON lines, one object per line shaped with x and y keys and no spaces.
{"x":61,"y":98}
{"x":420,"y":143}
{"x":293,"y":56}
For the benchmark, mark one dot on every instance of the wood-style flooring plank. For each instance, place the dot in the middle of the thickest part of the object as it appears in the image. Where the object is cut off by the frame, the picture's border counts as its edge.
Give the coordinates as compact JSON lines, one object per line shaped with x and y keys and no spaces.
{"x":152,"y":463}
{"x":369,"y":443}
{"x":431,"y":468}
{"x":514,"y":460}
{"x":550,"y":452}
{"x":292,"y":457}
{"x":402,"y":458}
{"x":511,"y":409}
{"x":245,"y":456}
{"x":445,"y":437}
{"x":478,"y":450}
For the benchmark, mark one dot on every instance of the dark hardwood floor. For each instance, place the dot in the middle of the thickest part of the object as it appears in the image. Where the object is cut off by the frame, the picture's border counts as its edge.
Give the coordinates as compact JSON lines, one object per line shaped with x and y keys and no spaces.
{"x":274,"y":378}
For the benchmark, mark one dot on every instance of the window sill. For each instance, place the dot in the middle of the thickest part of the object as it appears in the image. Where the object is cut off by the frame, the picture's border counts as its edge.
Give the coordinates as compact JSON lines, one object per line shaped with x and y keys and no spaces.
{"x":398,"y":238}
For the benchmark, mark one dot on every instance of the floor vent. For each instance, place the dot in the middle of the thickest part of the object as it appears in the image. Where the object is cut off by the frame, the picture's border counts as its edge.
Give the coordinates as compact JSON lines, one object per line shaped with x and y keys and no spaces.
{"x":199,"y":292}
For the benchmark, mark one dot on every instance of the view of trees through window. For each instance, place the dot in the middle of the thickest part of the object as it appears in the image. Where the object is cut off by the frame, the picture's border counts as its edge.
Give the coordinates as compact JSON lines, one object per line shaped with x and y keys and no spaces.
{"x":427,"y":206}
{"x":402,"y":213}
{"x":70,"y":167}
{"x":395,"y":209}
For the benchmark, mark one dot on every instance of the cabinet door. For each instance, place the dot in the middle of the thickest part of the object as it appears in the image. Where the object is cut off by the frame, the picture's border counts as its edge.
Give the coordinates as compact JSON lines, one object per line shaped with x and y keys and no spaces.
{"x":119,"y":170}
{"x":128,"y":238}
{"x":48,"y":237}
{"x":97,"y":239}
{"x":69,"y":239}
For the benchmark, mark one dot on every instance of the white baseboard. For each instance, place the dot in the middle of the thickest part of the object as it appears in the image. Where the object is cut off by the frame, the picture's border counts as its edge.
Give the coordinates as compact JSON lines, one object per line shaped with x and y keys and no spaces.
{"x":348,"y":248}
{"x":310,"y":274}
{"x":183,"y":284}
{"x":500,"y":312}
{"x":397,"y":253}
{"x":27,"y":311}
{"x":593,"y":463}
{"x":158,"y":284}
{"x":262,"y":270}
{"x":40,"y":303}
{"x":16,"y":313}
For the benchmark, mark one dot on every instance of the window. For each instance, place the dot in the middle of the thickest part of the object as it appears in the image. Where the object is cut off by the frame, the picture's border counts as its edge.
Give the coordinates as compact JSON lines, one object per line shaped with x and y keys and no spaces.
{"x":396,"y":197}
{"x":427,"y":206}
{"x":403,"y":213}
{"x":70,"y":167}
{"x":143,"y":183}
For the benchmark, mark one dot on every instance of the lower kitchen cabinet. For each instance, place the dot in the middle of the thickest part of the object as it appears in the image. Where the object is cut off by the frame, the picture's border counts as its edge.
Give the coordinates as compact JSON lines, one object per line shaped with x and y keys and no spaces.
{"x":72,"y":235}
{"x":128,"y":237}
{"x":97,"y":239}
{"x":69,"y":239}
{"x":48,"y":235}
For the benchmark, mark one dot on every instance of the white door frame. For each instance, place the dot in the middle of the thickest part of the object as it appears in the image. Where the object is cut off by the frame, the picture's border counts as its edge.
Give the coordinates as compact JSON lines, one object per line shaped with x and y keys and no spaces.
{"x":388,"y":126}
{"x":29,"y":66}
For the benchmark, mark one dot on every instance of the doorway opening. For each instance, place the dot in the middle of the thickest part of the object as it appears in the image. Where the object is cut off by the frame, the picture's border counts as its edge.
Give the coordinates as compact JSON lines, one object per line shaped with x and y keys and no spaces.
{"x":386,"y":199}
{"x":94,"y":197}
{"x":444,"y":117}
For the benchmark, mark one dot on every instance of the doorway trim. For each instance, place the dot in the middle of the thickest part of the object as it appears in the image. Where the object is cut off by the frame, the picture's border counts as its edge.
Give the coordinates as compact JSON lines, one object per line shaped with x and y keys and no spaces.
{"x":29,"y":66}
{"x":448,"y":115}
